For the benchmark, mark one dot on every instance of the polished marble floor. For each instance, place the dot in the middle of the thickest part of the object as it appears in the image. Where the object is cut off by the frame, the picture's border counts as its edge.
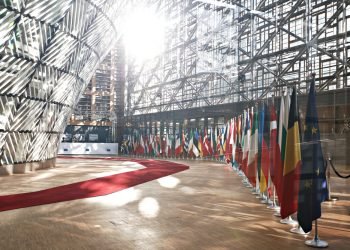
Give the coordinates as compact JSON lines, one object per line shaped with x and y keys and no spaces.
{"x":205,"y":207}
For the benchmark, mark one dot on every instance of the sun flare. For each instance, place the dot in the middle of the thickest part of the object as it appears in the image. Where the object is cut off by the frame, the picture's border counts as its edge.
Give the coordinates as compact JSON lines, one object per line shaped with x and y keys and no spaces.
{"x":144,"y":34}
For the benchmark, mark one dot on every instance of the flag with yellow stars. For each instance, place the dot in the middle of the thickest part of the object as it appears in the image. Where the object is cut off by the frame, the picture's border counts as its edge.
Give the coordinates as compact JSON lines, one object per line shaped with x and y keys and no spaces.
{"x":313,"y":186}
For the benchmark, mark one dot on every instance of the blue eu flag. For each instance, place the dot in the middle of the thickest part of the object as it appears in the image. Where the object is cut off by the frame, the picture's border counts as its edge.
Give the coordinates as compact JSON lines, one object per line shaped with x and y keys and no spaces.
{"x":313,"y":185}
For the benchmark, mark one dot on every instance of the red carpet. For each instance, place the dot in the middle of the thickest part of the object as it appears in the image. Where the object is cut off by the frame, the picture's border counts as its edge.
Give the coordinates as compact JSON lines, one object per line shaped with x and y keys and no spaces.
{"x":96,"y":187}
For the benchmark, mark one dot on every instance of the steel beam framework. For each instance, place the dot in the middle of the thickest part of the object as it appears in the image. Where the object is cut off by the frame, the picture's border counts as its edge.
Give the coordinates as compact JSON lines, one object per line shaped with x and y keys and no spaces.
{"x":244,"y":50}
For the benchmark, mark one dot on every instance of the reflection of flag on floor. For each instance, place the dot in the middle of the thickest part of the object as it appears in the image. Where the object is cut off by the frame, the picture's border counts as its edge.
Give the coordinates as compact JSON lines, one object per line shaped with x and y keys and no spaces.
{"x":313,"y":185}
{"x":292,"y":162}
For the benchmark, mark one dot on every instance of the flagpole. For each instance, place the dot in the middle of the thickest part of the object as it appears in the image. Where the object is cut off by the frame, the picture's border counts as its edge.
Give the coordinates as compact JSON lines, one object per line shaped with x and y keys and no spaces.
{"x":316,"y":242}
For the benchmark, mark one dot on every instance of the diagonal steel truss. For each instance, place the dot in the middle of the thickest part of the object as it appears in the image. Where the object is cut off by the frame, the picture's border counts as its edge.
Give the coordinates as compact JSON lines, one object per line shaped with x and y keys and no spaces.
{"x":246,"y":50}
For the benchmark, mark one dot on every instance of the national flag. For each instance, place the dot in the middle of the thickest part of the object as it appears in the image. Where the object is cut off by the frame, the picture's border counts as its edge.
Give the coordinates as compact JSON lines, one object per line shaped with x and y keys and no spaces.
{"x":195,"y":149}
{"x":228,"y":152}
{"x":265,"y":152}
{"x":186,"y":142}
{"x":168,"y":145}
{"x":141,"y":146}
{"x":313,"y":185}
{"x":274,"y":152}
{"x":207,"y":143}
{"x":246,"y":143}
{"x":234,"y":138}
{"x":253,"y":150}
{"x":135,"y":144}
{"x":212,"y":141}
{"x":129,"y":144}
{"x":158,"y":145}
{"x":178,"y":146}
{"x":219,"y":143}
{"x":190,"y":143}
{"x":165,"y":145}
{"x":146,"y":144}
{"x":150,"y":145}
{"x":183,"y":139}
{"x":261,"y":120}
{"x":238,"y":154}
{"x":200,"y":145}
{"x":162,"y":145}
{"x":125,"y":147}
{"x":292,"y":163}
{"x":155,"y":145}
{"x":223,"y":139}
{"x":282,"y":136}
{"x":171,"y":145}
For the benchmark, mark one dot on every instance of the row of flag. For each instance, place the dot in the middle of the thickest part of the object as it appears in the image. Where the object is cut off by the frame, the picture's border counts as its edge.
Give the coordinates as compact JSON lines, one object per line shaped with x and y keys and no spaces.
{"x":190,"y":143}
{"x":274,"y":151}
{"x":270,"y":148}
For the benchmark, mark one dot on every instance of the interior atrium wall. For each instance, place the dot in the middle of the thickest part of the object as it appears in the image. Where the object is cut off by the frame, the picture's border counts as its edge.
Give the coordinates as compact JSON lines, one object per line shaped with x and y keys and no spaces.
{"x":48,"y":53}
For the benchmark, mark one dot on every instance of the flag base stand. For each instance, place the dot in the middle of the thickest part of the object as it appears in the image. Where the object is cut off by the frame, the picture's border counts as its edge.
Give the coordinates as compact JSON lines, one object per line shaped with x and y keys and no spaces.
{"x":316,"y":242}
{"x":255,"y":191}
{"x":332,"y":198}
{"x":298,"y":230}
{"x":288,"y":221}
{"x":269,"y":202}
{"x":246,"y":184}
{"x":264,"y":199}
{"x":263,"y":202}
